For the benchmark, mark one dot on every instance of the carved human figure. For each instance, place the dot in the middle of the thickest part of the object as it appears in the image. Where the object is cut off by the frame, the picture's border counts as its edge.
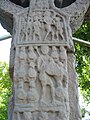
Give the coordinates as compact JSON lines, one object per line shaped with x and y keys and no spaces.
{"x":32,"y":93}
{"x":28,"y":116}
{"x":48,"y":22}
{"x":18,"y":116}
{"x":31,"y":54}
{"x":58,"y":66}
{"x":59,"y":73}
{"x":37,"y":28}
{"x":22,"y":62}
{"x":29,"y":29}
{"x":63,"y":56}
{"x":22,"y":55}
{"x":39,"y":4}
{"x":61,"y":116}
{"x":43,"y":116}
{"x":22,"y":34}
{"x":46,"y":4}
{"x":20,"y":93}
{"x":59,"y":28}
{"x":43,"y":76}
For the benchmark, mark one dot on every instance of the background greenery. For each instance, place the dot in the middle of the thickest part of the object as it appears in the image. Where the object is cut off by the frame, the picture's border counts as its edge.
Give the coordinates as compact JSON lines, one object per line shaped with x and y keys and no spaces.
{"x":83,"y":63}
{"x":5,"y":90}
{"x":82,"y":66}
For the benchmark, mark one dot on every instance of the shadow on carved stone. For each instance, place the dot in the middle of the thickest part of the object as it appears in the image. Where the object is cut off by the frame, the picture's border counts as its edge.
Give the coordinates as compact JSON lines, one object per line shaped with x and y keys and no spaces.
{"x":63,"y":3}
{"x":23,"y":3}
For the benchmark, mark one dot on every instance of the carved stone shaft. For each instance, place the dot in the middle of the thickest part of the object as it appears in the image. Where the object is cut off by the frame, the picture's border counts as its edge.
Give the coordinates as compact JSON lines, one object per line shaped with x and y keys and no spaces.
{"x":42,"y":64}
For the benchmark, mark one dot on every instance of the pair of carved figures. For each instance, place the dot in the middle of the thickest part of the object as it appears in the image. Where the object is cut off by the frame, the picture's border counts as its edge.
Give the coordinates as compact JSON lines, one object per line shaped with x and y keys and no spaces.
{"x":50,"y":63}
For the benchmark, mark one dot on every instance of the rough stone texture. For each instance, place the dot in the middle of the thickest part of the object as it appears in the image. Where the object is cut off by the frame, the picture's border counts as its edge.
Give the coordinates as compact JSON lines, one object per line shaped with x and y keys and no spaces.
{"x":42,"y":62}
{"x":73,"y":89}
{"x":77,"y":12}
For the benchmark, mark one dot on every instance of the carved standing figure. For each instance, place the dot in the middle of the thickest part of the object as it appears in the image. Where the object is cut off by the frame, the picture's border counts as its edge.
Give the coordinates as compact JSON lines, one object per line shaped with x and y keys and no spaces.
{"x":31,"y":54}
{"x":27,"y":116}
{"x":39,"y":4}
{"x":32,"y":93}
{"x":59,"y":28}
{"x":20,"y":93}
{"x":45,"y":79}
{"x":48,"y":22}
{"x":22,"y":62}
{"x":29,"y":29}
{"x":63,"y":56}
{"x":45,"y":3}
{"x":58,"y":66}
{"x":37,"y":28}
{"x":22,"y":35}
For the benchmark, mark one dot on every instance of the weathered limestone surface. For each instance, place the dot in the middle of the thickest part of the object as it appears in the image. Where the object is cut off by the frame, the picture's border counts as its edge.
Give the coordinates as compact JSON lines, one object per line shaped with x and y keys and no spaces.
{"x":73,"y":89}
{"x":42,"y":63}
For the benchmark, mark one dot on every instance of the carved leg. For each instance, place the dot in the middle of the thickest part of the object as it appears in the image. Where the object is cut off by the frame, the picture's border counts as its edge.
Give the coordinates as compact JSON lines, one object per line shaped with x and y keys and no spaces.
{"x":18,"y":116}
{"x":57,"y":35}
{"x":53,"y":36}
{"x":46,"y":35}
{"x":52,"y":92}
{"x":43,"y":94}
{"x":39,"y":37}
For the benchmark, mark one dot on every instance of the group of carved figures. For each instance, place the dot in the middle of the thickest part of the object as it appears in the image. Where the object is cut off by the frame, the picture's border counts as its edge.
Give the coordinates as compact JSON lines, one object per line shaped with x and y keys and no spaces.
{"x":41,"y":116}
{"x":44,"y":64}
{"x":43,"y":26}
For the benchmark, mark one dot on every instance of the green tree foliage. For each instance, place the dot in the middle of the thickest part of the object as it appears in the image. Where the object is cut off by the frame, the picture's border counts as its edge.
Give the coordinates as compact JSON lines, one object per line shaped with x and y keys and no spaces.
{"x":5,"y":86}
{"x":83,"y":61}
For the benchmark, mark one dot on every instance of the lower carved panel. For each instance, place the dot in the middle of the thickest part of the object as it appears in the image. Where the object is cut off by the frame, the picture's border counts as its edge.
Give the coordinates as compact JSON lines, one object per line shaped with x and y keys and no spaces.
{"x":41,"y":83}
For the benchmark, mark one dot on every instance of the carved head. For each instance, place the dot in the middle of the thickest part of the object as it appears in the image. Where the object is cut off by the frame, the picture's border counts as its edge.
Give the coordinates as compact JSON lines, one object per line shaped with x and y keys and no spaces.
{"x":32,"y":64}
{"x":28,"y":116}
{"x":43,"y":116}
{"x":44,"y":49}
{"x":62,"y":49}
{"x":20,"y":84}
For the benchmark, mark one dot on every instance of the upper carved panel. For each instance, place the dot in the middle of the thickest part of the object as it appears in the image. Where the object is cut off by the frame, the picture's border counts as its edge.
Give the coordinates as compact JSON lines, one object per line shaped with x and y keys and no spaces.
{"x":43,"y":26}
{"x":76,"y":10}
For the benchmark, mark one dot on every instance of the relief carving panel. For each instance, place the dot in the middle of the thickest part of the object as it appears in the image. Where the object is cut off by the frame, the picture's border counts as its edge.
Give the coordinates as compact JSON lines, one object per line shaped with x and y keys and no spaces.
{"x":42,"y":27}
{"x":41,"y":83}
{"x":41,"y":41}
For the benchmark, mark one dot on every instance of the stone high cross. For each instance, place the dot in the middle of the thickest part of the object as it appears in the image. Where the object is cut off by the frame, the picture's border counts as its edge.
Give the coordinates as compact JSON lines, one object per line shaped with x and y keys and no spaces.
{"x":44,"y":81}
